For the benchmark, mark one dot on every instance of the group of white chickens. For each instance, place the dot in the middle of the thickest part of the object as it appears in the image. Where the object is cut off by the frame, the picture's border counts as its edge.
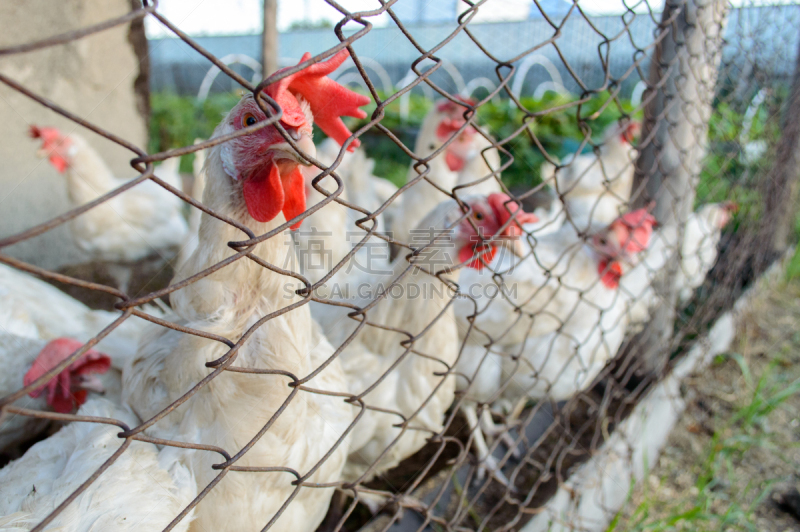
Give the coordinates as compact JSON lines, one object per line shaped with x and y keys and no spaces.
{"x":263,"y":403}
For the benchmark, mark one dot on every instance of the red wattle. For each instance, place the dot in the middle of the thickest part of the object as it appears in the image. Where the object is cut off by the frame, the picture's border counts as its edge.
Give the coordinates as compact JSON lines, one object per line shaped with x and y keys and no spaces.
{"x":295,"y":193}
{"x":263,"y":193}
{"x":64,"y":404}
{"x":467,"y":252}
{"x":610,"y":273}
{"x":58,"y":162}
{"x":454,"y":162}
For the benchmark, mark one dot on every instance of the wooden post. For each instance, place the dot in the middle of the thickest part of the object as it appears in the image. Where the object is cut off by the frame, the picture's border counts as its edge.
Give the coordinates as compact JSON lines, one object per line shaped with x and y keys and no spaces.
{"x":683,"y":76}
{"x":269,"y":38}
{"x":141,"y":84}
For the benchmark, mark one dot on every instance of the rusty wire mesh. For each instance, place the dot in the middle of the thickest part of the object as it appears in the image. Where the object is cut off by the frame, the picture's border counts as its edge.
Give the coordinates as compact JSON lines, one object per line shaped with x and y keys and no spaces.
{"x":535,"y":355}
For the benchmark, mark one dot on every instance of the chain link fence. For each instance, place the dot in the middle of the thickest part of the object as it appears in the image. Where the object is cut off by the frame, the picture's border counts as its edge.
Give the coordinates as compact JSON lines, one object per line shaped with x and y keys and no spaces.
{"x":413,"y":353}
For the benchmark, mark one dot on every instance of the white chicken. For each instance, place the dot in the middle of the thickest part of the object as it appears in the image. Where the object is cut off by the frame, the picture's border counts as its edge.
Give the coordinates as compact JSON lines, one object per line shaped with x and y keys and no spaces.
{"x":142,"y":221}
{"x":698,"y":253}
{"x":461,"y":163}
{"x":517,"y":298}
{"x":596,"y":187}
{"x":564,"y":287}
{"x":255,"y":180}
{"x":34,"y":313}
{"x":558,"y":365}
{"x":143,"y":489}
{"x":27,"y":359}
{"x":410,"y":381}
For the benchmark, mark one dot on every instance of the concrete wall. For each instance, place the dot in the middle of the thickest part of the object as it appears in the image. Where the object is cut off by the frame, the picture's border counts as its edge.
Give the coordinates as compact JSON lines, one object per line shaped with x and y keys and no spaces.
{"x":93,"y":78}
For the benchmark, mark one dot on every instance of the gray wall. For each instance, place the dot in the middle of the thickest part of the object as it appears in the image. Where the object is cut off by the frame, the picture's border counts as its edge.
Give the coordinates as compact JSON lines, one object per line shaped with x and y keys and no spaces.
{"x":93,"y":78}
{"x":756,"y":35}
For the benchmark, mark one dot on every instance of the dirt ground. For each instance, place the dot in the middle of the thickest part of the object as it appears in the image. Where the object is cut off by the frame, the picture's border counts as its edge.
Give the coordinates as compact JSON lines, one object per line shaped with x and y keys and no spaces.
{"x":734,"y":459}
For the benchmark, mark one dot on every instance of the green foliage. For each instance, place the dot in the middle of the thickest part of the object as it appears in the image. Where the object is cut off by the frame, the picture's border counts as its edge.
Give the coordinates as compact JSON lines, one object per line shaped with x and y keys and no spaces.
{"x":558,"y":132}
{"x":559,"y":124}
{"x":176,"y":121}
{"x":793,"y":269}
{"x":740,"y":433}
{"x":728,"y":174}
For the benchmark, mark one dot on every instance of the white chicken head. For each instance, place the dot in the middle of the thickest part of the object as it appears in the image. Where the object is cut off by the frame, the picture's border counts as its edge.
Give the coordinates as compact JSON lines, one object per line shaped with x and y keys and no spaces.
{"x":442,"y":123}
{"x":623,"y":132}
{"x":265,"y":165}
{"x":491,"y":221}
{"x":56,"y":146}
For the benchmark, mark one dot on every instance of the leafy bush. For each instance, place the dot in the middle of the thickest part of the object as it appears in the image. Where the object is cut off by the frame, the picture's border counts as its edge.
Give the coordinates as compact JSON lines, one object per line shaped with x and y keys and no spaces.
{"x":178,"y":120}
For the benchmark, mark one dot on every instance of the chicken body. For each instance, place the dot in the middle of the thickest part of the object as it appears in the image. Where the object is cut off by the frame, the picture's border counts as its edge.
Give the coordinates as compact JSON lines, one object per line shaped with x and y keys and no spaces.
{"x":554,"y":284}
{"x":560,"y":364}
{"x":596,"y":187}
{"x":144,"y":489}
{"x":404,"y":381}
{"x":698,"y":253}
{"x":139,"y":222}
{"x":536,"y":293}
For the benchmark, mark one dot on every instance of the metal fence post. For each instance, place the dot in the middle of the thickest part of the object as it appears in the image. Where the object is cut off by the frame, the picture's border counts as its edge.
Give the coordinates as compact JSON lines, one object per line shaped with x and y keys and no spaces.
{"x":678,"y":106}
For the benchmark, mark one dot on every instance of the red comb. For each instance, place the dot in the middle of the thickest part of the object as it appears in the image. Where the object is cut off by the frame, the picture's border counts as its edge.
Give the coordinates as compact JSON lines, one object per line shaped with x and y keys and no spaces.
{"x":59,"y":393}
{"x":636,"y":228}
{"x":48,"y":134}
{"x":504,"y":208}
{"x":329,"y":101}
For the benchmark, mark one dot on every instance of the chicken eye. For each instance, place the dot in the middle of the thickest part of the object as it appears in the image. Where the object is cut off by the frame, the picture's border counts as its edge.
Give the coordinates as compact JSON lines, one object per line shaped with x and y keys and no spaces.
{"x":248,"y":120}
{"x":477,"y":215}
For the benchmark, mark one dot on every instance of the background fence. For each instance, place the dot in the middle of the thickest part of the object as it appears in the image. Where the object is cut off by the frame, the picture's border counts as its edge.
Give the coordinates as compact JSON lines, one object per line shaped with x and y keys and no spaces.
{"x":451,"y":411}
{"x":387,"y":54}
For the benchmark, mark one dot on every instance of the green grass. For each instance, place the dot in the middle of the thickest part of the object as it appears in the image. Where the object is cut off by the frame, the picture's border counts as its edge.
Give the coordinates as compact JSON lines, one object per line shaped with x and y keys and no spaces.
{"x":716,"y":475}
{"x":793,"y":268}
{"x":560,"y":128}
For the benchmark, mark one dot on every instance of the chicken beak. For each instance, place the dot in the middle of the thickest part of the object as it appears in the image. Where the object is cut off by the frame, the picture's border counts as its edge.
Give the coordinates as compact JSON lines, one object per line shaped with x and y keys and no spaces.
{"x":307,"y":147}
{"x":514,"y":245}
{"x":91,"y":383}
{"x":284,"y":150}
